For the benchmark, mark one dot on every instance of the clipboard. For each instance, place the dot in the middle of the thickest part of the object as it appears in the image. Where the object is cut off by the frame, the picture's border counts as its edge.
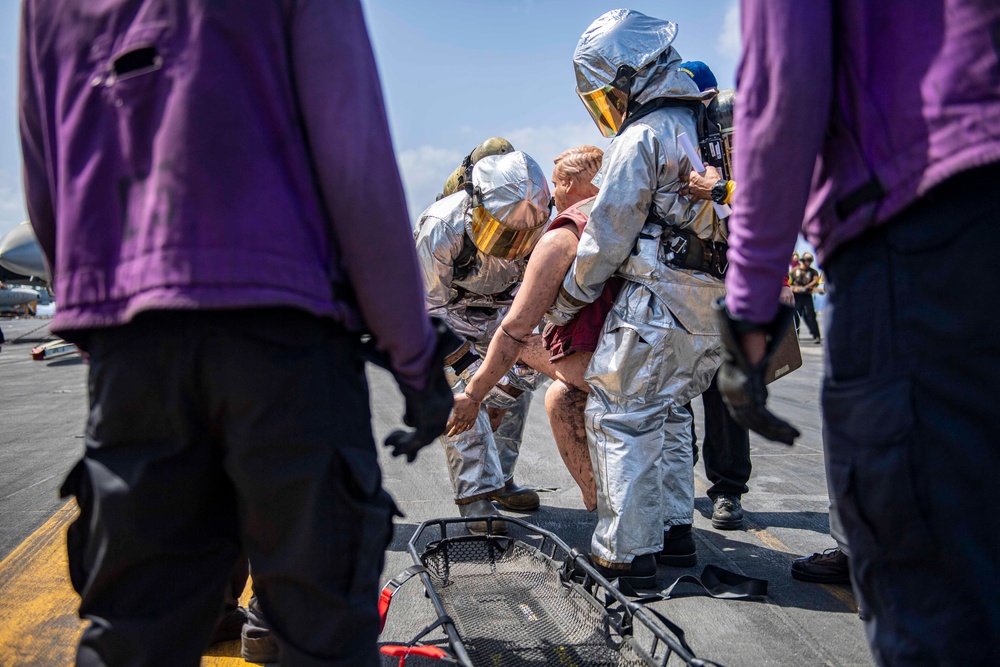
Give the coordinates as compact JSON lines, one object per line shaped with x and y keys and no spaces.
{"x":787,"y":357}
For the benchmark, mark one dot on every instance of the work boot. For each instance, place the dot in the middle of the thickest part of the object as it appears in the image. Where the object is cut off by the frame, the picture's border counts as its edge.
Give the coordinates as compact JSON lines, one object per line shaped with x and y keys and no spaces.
{"x":258,"y":643}
{"x":829,"y":567}
{"x":482,"y":507}
{"x":229,"y":626}
{"x":678,"y":547}
{"x":640,"y":573}
{"x":727,"y":512}
{"x":517,"y":498}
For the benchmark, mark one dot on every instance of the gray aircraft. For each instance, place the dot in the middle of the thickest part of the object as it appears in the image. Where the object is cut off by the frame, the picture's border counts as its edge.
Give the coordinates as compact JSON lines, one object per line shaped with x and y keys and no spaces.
{"x":11,"y":297}
{"x":21,"y":260}
{"x":22,"y":269}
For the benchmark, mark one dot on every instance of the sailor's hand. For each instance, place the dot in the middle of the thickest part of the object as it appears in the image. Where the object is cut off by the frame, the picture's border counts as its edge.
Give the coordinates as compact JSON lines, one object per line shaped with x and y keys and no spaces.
{"x":786,"y":296}
{"x":741,"y":376}
{"x":427,"y":409}
{"x":699,"y":185}
{"x":463,"y":414}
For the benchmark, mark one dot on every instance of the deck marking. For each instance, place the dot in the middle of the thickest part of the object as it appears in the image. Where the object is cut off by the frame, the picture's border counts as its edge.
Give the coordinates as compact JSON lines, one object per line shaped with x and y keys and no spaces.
{"x":844,"y":596}
{"x":38,"y":620}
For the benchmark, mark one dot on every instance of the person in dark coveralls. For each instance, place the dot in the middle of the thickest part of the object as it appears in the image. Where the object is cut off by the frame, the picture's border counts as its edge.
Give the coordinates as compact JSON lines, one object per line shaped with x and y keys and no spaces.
{"x":726,"y":444}
{"x":890,"y":154}
{"x":805,"y":279}
{"x":214,"y":186}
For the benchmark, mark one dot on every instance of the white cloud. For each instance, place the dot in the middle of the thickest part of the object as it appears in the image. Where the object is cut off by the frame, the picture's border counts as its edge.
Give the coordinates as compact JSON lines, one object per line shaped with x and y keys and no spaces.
{"x":728,"y":43}
{"x":11,"y":207}
{"x":425,"y":169}
{"x":544,"y":143}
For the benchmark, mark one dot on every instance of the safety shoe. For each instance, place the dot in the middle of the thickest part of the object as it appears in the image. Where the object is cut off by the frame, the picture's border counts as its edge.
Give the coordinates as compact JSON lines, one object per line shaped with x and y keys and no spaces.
{"x":639,"y":573}
{"x":678,"y":547}
{"x":829,"y":567}
{"x":482,"y":507}
{"x":257,"y":642}
{"x":229,"y":626}
{"x":727,"y":512}
{"x":517,"y":498}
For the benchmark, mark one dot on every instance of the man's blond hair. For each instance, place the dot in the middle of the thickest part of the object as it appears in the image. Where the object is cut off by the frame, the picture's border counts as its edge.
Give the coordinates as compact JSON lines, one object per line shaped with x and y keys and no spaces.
{"x":580,"y":163}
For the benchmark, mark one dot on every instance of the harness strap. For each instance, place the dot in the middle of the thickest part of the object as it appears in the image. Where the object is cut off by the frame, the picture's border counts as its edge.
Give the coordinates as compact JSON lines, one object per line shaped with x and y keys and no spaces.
{"x":393,"y":585}
{"x":687,"y":251}
{"x":403,"y":652}
{"x":432,"y":652}
{"x":715,"y":581}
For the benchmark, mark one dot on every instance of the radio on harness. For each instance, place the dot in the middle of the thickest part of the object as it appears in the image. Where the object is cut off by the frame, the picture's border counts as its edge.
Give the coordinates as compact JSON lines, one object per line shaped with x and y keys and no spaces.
{"x":686,"y":251}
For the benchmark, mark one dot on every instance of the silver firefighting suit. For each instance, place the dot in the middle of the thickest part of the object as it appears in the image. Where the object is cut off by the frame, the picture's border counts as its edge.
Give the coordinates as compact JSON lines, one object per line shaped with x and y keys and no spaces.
{"x":660,"y":346}
{"x":469,"y":289}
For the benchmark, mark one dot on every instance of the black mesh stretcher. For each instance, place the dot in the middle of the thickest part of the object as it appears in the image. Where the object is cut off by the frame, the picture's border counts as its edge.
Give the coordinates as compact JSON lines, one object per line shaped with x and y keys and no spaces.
{"x":527,"y":599}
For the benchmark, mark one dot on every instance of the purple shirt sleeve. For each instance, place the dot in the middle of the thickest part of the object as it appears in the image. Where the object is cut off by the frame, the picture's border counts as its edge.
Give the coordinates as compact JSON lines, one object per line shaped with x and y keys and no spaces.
{"x":37,"y":184}
{"x":784,"y":83}
{"x":341,"y":100}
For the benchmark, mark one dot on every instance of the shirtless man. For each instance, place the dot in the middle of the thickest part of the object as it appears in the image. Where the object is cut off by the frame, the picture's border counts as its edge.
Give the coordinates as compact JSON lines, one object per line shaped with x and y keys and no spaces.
{"x":563,"y":353}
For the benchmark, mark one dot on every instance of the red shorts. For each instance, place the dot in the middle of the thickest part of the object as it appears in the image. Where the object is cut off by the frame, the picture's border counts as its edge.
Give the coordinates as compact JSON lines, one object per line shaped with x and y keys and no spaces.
{"x":580,"y":334}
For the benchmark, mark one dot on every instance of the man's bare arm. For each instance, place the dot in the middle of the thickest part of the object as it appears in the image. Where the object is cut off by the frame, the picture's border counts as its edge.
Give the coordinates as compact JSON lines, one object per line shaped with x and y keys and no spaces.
{"x":550,"y":260}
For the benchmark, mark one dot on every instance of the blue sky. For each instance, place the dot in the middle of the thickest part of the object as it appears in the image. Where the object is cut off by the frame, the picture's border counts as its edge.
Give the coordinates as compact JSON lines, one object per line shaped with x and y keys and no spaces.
{"x":455,"y":72}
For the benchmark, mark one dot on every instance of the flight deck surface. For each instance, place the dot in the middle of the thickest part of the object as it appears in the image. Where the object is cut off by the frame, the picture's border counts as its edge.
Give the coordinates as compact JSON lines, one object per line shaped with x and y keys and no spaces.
{"x":42,"y":416}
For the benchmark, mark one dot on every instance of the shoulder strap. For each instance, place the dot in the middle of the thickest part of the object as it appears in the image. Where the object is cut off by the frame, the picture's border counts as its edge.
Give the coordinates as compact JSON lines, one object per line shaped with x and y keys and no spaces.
{"x":465,"y":263}
{"x":637,"y":111}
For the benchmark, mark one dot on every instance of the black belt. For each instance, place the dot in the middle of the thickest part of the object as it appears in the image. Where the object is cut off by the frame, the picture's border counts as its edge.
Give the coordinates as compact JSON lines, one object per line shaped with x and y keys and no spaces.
{"x":685,"y":250}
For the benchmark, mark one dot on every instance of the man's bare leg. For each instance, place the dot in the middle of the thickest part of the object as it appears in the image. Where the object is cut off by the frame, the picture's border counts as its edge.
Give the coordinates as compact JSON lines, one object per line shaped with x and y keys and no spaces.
{"x":564,"y":405}
{"x":569,"y":370}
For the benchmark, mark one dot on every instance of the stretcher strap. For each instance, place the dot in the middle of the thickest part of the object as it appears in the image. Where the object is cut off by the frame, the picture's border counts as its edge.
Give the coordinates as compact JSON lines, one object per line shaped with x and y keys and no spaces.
{"x":425,"y":651}
{"x":403,"y":652}
{"x":715,"y":581}
{"x":385,"y":597}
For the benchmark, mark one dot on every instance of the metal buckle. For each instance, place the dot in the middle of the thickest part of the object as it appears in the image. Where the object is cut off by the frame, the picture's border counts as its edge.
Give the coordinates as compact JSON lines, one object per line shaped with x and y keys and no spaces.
{"x":677,"y":246}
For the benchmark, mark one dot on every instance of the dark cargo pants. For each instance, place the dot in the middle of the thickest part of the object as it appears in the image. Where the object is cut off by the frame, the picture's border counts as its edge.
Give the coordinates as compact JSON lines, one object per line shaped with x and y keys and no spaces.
{"x":726,"y":449}
{"x":215,"y":433}
{"x":912,"y":424}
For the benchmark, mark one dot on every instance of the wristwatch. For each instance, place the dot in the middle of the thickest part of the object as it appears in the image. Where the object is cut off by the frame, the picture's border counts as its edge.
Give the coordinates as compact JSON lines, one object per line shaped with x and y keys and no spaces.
{"x":720,"y":191}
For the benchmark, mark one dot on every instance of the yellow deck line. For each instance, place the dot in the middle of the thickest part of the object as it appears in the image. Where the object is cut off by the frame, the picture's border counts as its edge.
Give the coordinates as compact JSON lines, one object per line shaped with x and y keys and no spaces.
{"x":38,"y":621}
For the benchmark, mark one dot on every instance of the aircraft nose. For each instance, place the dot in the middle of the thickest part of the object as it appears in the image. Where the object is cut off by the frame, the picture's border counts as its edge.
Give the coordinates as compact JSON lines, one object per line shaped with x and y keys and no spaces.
{"x":20,"y":252}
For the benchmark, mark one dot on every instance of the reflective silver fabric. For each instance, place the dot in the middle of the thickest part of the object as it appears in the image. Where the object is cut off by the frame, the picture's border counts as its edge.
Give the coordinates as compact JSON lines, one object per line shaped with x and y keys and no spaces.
{"x":645,"y":368}
{"x":508,"y":435}
{"x":514,"y":189}
{"x":473,"y":461}
{"x":465,"y":304}
{"x":641,"y":172}
{"x":660,"y":345}
{"x":616,"y":38}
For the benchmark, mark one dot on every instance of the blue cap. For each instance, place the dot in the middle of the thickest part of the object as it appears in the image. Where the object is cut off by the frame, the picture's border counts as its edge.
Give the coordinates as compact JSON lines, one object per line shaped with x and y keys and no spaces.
{"x":702,"y":75}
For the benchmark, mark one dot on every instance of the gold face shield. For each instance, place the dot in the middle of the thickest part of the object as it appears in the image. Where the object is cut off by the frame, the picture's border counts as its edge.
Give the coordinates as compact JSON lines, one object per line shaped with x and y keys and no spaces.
{"x":498,"y":240}
{"x":607,"y":107}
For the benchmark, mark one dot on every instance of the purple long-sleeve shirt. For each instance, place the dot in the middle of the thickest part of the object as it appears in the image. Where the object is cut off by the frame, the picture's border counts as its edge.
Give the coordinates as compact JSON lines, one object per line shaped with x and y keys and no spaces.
{"x":847,"y":112}
{"x":183,"y":154}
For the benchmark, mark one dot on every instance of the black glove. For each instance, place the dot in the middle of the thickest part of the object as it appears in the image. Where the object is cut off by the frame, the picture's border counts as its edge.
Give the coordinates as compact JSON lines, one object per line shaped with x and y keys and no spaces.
{"x":427,"y":410}
{"x":742,"y":384}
